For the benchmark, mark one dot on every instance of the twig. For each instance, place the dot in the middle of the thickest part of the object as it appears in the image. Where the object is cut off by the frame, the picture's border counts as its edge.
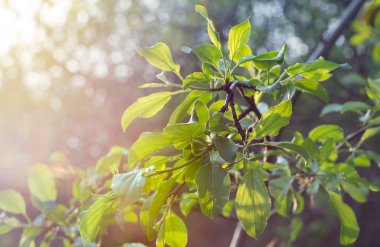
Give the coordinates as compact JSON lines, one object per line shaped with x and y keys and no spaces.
{"x":354,"y":134}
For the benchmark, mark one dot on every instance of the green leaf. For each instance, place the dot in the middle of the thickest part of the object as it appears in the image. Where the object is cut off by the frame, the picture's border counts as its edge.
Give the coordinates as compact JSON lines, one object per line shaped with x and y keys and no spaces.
{"x":129,"y":186}
{"x":324,"y":132}
{"x":213,"y":184}
{"x":159,"y":55}
{"x":147,"y":144}
{"x":331,"y":108}
{"x":291,"y":146}
{"x":279,"y":187}
{"x":92,"y":221}
{"x":207,"y":53}
{"x":317,"y":66}
{"x":354,"y":106}
{"x":8,"y":224}
{"x":12,"y":201}
{"x":268,"y":60}
{"x":273,"y":120}
{"x":202,"y":112}
{"x":239,"y":35}
{"x":358,"y":191}
{"x":41,"y":183}
{"x":197,"y":79}
{"x":212,"y":33}
{"x":111,"y":161}
{"x":376,"y":52}
{"x":312,"y":87}
{"x":295,"y":226}
{"x":253,"y":204}
{"x":187,"y":203}
{"x":145,"y":107}
{"x":183,"y":134}
{"x":152,"y":207}
{"x":172,"y":232}
{"x":226,"y":148}
{"x":180,"y":112}
{"x":368,"y":134}
{"x":349,"y":228}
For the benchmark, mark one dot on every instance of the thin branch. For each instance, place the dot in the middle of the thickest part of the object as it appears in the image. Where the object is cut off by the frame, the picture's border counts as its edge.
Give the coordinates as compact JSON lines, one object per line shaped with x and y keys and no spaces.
{"x":355,"y":133}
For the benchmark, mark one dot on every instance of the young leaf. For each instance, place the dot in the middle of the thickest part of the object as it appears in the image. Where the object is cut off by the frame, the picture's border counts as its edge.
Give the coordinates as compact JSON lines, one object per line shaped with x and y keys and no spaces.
{"x":295,"y":226}
{"x":253,"y":204}
{"x":147,"y":144}
{"x":273,"y":120}
{"x":12,"y":201}
{"x":213,"y":184}
{"x":349,"y":228}
{"x":197,"y":79}
{"x":212,"y":33}
{"x":368,"y":134}
{"x":268,"y":60}
{"x":239,"y":35}
{"x":160,"y":56}
{"x":172,"y":232}
{"x":312,"y":87}
{"x":227,"y":149}
{"x":129,"y":186}
{"x":324,"y":132}
{"x":207,"y":53}
{"x":41,"y":183}
{"x":152,"y":207}
{"x":145,"y":107}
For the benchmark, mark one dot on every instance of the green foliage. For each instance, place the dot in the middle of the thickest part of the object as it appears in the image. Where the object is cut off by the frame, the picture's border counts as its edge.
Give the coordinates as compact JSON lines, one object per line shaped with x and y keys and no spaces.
{"x":221,"y":153}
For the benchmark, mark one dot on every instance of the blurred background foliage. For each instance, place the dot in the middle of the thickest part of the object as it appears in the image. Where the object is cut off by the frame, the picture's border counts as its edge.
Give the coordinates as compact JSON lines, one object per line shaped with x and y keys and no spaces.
{"x":69,"y":68}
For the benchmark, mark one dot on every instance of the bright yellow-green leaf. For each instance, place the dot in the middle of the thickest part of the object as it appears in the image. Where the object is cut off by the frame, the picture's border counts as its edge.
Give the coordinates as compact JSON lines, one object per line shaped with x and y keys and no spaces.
{"x":368,"y":134}
{"x":41,"y":183}
{"x":172,"y":232}
{"x":12,"y":201}
{"x":212,"y":33}
{"x":160,"y":56}
{"x":152,"y":207}
{"x":147,"y":144}
{"x":213,"y":184}
{"x":239,"y":35}
{"x":253,"y":204}
{"x":273,"y":120}
{"x":312,"y":87}
{"x":319,"y":66}
{"x":349,"y":228}
{"x":145,"y":107}
{"x":92,"y":221}
{"x":376,"y":51}
{"x":8,"y":224}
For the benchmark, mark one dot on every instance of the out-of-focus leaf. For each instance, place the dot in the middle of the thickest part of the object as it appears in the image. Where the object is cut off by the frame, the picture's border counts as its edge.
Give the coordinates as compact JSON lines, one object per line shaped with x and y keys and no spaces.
{"x":129,"y":186}
{"x":325,"y":132}
{"x":354,"y":106}
{"x":12,"y":201}
{"x":41,"y":183}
